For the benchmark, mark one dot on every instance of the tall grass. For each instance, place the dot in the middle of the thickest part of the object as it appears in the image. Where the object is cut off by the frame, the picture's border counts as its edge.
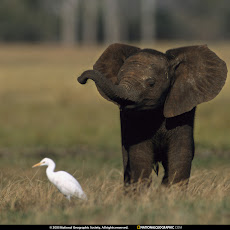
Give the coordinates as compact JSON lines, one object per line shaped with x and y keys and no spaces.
{"x":33,"y":200}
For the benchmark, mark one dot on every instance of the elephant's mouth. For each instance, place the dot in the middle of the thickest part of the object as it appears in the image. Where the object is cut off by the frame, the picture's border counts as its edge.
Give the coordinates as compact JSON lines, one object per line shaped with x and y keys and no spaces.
{"x":143,"y":104}
{"x":137,"y":107}
{"x":128,"y":107}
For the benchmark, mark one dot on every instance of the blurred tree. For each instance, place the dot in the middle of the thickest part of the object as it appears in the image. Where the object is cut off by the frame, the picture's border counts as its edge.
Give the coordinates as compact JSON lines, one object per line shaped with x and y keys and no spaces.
{"x":90,"y":21}
{"x":148,"y":20}
{"x":130,"y":20}
{"x":89,"y":27}
{"x":69,"y":21}
{"x":111,"y":21}
{"x":164,"y":25}
{"x":26,"y":20}
{"x":192,"y":19}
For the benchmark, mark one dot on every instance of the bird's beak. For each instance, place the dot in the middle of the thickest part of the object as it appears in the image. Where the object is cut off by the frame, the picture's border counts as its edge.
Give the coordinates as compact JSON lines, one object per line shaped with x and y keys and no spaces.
{"x":38,"y":164}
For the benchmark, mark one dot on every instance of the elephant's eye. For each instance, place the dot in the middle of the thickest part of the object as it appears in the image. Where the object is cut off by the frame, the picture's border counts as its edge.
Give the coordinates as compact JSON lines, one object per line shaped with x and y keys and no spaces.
{"x":150,"y":82}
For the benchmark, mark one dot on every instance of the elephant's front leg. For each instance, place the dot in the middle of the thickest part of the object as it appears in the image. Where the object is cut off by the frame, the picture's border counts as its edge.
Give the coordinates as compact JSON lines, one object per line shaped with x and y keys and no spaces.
{"x":138,"y":160}
{"x":178,"y":159}
{"x":137,"y":147}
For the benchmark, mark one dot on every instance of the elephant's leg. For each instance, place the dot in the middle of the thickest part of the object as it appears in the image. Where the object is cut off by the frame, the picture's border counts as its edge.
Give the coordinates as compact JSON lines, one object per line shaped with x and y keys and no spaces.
{"x":126,"y":165}
{"x":140,"y":162}
{"x":137,"y":162}
{"x":177,"y":170}
{"x":137,"y":147}
{"x":178,"y":159}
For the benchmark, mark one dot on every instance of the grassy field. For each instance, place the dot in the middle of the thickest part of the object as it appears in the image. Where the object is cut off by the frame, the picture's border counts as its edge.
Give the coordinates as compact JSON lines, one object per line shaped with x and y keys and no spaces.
{"x":46,"y":113}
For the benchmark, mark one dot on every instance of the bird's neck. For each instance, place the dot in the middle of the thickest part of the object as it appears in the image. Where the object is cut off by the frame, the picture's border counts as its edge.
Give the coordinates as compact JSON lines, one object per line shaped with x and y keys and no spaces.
{"x":50,"y":170}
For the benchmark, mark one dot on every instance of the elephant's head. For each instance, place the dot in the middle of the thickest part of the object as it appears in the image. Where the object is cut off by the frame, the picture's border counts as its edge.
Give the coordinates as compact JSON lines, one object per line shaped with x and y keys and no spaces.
{"x":142,"y":79}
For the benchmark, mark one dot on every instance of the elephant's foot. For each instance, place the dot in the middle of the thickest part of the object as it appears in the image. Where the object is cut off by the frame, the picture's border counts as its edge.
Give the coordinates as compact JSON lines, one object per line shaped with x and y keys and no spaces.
{"x":137,"y":188}
{"x":181,"y":184}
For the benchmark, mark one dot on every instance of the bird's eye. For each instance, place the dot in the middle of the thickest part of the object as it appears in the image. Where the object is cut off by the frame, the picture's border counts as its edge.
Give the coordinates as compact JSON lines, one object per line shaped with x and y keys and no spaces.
{"x":151,"y":82}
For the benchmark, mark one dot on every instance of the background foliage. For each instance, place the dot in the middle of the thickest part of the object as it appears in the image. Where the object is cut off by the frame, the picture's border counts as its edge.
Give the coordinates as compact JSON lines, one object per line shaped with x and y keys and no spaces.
{"x":42,"y":20}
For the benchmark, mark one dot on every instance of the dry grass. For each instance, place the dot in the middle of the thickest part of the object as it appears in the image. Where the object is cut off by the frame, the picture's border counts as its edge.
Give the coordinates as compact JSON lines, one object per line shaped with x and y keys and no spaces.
{"x":32,"y":200}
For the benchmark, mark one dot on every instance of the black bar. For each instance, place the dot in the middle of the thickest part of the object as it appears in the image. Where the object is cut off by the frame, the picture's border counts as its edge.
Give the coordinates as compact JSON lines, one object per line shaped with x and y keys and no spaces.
{"x":113,"y":227}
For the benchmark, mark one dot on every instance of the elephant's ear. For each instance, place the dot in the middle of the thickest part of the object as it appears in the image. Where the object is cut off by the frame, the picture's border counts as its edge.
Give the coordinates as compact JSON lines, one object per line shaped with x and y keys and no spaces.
{"x":111,"y":60}
{"x":198,"y":76}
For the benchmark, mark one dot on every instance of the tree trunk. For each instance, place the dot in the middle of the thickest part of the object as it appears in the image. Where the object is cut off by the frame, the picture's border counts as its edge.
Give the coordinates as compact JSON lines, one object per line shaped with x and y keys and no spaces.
{"x":68,"y":21}
{"x":111,"y":21}
{"x":89,"y":33}
{"x":148,"y":20}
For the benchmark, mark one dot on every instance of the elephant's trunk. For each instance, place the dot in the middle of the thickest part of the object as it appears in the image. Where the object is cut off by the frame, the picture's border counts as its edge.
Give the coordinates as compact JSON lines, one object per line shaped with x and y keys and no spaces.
{"x":115,"y":93}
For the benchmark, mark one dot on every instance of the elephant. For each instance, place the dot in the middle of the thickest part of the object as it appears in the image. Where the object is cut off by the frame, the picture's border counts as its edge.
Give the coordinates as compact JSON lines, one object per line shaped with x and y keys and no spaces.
{"x":157,"y":94}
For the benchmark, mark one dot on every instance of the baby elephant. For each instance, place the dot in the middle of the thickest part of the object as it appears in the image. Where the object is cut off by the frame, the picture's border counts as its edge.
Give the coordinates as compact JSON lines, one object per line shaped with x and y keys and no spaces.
{"x":157,"y":94}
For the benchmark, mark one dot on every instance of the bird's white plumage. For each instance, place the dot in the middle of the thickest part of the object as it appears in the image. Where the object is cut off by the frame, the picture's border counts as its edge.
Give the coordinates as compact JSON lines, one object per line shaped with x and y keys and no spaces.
{"x":65,"y":182}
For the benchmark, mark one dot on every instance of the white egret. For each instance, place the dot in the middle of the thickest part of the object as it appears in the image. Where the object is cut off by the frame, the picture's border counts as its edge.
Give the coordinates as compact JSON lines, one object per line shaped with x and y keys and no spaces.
{"x":65,"y":182}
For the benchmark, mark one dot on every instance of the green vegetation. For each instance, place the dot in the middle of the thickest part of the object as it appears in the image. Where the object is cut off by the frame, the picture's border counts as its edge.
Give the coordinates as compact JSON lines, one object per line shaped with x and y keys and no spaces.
{"x":46,"y":113}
